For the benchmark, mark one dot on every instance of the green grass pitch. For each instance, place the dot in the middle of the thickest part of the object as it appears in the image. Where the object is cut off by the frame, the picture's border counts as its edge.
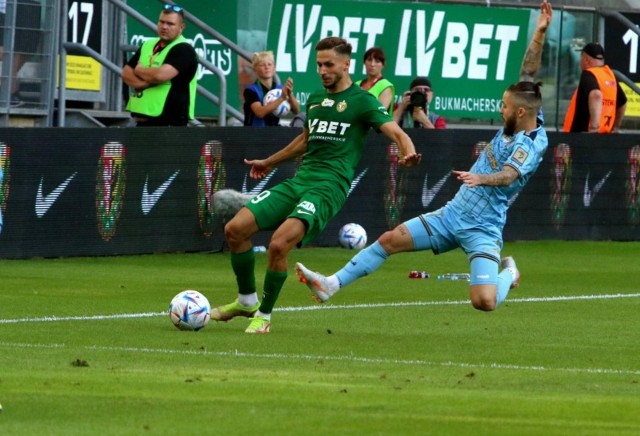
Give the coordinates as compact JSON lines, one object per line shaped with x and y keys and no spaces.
{"x":86,"y":347}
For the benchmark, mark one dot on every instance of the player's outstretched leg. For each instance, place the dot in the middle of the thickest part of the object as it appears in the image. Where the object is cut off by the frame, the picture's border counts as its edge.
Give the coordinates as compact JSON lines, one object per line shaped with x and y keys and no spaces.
{"x":320,"y":286}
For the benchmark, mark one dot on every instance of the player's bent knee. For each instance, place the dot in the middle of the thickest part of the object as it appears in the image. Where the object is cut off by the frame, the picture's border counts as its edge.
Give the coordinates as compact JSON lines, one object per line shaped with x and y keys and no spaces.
{"x":279,"y":247}
{"x":483,"y":298}
{"x":483,"y":305}
{"x":386,"y":240}
{"x":394,"y":241}
{"x":234,"y":232}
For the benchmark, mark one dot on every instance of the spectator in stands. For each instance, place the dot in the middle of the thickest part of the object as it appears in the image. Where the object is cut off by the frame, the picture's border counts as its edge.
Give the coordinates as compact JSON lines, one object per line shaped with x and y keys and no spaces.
{"x":413,"y":109}
{"x":599,"y":104}
{"x":162,"y":75}
{"x":25,"y":43}
{"x":256,"y":112}
{"x":374,"y":61}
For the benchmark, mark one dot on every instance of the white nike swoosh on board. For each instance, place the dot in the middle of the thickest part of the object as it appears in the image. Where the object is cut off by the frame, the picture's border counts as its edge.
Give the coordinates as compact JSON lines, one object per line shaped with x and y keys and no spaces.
{"x":259,"y":187}
{"x":43,"y":203}
{"x":356,"y":181}
{"x":590,"y":195}
{"x":429,"y":194}
{"x":303,"y":212}
{"x":149,"y":200}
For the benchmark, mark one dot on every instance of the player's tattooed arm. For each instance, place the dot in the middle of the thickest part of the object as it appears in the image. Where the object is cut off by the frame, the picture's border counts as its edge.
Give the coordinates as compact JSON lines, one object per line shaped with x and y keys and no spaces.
{"x":533,"y":56}
{"x":501,"y":178}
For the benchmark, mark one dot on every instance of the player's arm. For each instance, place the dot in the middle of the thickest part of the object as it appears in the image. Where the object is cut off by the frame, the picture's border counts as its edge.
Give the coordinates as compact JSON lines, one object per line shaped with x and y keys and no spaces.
{"x":408,"y":155}
{"x":533,"y":56}
{"x":502,"y":178}
{"x":297,"y":147}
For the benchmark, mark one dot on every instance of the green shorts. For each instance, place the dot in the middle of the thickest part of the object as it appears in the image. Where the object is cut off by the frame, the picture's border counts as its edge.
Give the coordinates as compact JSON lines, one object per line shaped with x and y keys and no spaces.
{"x":313,"y":204}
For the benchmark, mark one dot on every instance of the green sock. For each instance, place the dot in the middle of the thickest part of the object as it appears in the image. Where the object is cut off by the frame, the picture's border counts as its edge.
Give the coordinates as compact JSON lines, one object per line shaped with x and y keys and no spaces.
{"x":273,"y":282}
{"x":243,"y":265}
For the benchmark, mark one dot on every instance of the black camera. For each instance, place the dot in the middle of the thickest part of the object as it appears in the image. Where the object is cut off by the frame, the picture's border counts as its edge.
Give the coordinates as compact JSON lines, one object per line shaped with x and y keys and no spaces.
{"x":418,"y":99}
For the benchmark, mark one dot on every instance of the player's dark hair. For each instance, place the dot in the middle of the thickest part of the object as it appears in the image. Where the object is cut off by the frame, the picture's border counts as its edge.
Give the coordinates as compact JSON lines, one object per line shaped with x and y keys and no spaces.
{"x":337,"y":44}
{"x":375,"y":53}
{"x":527,"y":94}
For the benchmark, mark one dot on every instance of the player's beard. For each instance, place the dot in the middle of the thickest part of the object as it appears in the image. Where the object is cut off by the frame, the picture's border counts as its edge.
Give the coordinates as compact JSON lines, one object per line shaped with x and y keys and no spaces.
{"x":332,"y":85}
{"x":510,"y":125}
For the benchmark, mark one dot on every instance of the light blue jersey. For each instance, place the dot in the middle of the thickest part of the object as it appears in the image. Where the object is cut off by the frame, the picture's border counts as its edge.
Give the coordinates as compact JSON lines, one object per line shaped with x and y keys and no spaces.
{"x":473,"y":220}
{"x":489,"y":204}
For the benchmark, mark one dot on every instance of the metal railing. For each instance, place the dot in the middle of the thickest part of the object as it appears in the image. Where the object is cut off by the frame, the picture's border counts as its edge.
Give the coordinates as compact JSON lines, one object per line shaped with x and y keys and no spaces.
{"x":54,"y":42}
{"x":29,"y":41}
{"x":221,"y":101}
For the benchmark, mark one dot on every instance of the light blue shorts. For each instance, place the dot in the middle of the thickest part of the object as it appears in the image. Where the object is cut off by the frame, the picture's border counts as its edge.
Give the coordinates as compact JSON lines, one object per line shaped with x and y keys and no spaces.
{"x":443,"y":230}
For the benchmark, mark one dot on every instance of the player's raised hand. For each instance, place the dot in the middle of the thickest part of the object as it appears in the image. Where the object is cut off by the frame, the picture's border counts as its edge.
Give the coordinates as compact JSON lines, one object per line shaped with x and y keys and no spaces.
{"x":546,"y":14}
{"x":259,"y":169}
{"x":410,"y":160}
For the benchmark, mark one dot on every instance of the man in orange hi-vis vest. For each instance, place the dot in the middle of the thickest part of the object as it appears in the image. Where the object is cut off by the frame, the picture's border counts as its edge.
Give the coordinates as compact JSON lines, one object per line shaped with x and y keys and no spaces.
{"x":598,"y":105}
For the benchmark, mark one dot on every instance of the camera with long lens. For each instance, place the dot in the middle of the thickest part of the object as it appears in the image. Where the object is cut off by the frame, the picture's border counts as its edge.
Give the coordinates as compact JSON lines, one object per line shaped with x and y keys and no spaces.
{"x":418,"y":99}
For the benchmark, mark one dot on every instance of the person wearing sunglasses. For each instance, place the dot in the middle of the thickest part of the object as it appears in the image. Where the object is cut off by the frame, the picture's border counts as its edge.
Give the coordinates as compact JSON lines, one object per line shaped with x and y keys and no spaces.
{"x":162,"y":75}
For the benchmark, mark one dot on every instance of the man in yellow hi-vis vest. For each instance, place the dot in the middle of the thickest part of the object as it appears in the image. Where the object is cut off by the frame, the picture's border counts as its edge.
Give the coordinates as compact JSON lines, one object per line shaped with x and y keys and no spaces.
{"x":599,"y":104}
{"x":162,"y":75}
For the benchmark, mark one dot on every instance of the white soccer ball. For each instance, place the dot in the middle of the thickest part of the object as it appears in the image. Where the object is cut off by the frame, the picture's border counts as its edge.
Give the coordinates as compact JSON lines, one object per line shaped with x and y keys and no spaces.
{"x":190,"y":310}
{"x":352,"y":236}
{"x":283,"y":108}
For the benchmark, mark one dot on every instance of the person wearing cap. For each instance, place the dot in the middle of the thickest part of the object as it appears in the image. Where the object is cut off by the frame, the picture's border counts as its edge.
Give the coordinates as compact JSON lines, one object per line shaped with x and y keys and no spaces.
{"x":598,"y":104}
{"x":413,"y":109}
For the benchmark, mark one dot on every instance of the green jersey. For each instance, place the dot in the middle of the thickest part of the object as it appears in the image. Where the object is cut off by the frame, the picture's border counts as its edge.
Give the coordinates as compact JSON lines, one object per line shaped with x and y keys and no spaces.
{"x":338,"y":125}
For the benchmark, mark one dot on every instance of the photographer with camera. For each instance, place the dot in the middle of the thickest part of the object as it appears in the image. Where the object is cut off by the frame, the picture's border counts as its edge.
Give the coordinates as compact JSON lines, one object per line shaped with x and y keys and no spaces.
{"x":413,"y":109}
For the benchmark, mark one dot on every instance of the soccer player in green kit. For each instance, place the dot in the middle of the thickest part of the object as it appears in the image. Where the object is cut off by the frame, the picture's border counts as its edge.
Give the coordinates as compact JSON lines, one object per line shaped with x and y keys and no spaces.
{"x":298,"y":209}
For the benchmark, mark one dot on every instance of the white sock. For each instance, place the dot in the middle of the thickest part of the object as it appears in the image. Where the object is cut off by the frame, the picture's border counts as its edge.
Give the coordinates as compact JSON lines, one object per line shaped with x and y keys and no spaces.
{"x":248,"y":300}
{"x":334,"y":285}
{"x":263,"y":315}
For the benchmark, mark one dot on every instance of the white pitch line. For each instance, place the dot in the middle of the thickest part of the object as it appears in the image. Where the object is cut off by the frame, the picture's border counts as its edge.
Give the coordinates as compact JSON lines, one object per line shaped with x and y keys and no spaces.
{"x":348,"y":358}
{"x":54,"y":318}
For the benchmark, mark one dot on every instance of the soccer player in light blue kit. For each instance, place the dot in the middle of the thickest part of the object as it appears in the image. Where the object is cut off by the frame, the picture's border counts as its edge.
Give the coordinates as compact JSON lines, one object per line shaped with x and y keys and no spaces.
{"x":473,"y":220}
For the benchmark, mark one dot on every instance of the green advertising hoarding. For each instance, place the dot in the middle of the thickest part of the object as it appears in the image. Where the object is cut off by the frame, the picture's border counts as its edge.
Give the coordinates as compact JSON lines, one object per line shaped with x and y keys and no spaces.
{"x":220,"y":15}
{"x":470,"y":53}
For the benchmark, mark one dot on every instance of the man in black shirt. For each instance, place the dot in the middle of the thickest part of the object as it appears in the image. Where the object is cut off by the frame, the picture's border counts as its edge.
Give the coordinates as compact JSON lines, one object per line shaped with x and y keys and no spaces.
{"x":599,"y":103}
{"x":162,"y":75}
